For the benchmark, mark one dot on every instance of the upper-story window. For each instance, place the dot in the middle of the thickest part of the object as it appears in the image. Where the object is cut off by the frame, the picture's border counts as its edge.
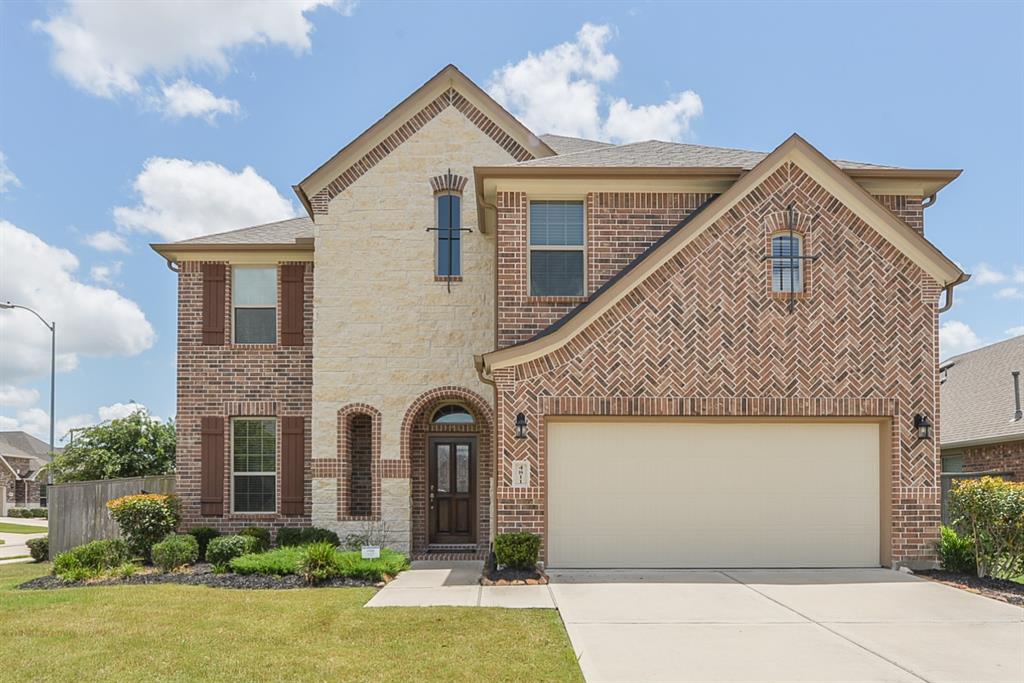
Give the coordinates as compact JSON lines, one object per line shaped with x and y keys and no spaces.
{"x":556,"y":248}
{"x":787,"y":272}
{"x":254,"y":300}
{"x":449,"y":234}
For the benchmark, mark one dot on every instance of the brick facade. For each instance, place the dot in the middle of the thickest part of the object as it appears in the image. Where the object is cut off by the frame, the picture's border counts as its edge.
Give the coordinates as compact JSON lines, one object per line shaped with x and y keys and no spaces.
{"x":704,"y":335}
{"x":235,"y":380}
{"x":1002,"y":457}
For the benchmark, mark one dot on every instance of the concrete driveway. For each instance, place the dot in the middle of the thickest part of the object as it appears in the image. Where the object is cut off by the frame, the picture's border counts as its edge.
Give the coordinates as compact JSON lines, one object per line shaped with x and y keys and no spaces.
{"x":785,"y":625}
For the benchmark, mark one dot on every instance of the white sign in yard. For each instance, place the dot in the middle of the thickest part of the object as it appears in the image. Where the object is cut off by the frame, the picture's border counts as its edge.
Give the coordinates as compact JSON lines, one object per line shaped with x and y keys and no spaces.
{"x":371,"y":552}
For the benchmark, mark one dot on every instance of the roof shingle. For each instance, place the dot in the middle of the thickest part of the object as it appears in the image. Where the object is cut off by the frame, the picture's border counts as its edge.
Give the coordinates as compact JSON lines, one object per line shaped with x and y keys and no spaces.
{"x":977,"y":395}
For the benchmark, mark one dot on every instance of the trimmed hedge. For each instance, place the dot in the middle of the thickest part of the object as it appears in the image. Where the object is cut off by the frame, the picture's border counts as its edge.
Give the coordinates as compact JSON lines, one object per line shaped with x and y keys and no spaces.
{"x":318,"y":562}
{"x":39,"y":548}
{"x":145,"y":519}
{"x":27,"y":513}
{"x":291,"y":536}
{"x":277,"y":562}
{"x":91,"y":559}
{"x":203,"y":536}
{"x":517,"y":550}
{"x":261,"y":535}
{"x":223,"y":549}
{"x":176,"y":550}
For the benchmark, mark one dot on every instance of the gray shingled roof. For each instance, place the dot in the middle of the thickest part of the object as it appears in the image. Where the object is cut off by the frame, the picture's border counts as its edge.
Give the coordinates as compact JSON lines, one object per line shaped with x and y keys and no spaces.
{"x":977,"y":395}
{"x":23,"y":445}
{"x":280,"y":232}
{"x":658,"y":154}
{"x":563,"y":144}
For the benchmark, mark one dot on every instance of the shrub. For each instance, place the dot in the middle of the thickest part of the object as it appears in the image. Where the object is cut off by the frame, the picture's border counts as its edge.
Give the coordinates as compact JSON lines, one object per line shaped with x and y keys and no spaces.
{"x":203,"y":536}
{"x":956,"y":552}
{"x":319,"y":562}
{"x":517,"y":550}
{"x":223,"y":549}
{"x":262,"y":537}
{"x":18,"y":512}
{"x":278,"y":562}
{"x":390,"y":563}
{"x":39,"y":548}
{"x":355,"y":541}
{"x":290,"y":536}
{"x":175,"y":550}
{"x":125,"y":570}
{"x":38,"y":513}
{"x":145,"y":519}
{"x":91,"y":560}
{"x":990,"y":513}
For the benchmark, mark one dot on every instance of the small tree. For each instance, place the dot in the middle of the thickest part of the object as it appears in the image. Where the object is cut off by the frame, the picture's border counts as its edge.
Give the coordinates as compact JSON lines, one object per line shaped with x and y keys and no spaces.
{"x":133,"y":446}
{"x":145,"y":519}
{"x":990,"y":512}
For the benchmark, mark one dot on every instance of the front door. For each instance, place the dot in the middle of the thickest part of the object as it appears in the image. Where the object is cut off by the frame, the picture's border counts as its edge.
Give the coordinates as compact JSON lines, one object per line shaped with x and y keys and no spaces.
{"x":451,"y":497}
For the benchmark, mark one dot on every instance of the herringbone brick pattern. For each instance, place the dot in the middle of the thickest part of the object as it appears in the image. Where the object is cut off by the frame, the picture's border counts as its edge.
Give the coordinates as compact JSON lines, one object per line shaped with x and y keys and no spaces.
{"x":704,"y":335}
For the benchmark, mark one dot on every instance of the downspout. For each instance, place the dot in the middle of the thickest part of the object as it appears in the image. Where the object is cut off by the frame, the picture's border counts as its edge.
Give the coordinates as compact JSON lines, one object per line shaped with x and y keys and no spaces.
{"x":949,"y":292}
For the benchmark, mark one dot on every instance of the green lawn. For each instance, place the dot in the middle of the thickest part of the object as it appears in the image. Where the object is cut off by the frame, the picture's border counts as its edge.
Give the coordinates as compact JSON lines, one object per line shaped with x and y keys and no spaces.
{"x":8,"y":528}
{"x":195,"y":633}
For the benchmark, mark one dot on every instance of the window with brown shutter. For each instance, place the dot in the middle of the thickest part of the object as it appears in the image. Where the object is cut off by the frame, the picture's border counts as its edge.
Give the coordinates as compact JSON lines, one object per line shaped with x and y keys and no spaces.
{"x":293,"y":449}
{"x":293,"y":278}
{"x":211,"y":477}
{"x":213,"y":304}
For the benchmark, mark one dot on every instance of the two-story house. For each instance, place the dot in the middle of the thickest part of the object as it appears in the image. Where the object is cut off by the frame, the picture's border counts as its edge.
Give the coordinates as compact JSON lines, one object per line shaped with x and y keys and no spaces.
{"x":651,"y":354}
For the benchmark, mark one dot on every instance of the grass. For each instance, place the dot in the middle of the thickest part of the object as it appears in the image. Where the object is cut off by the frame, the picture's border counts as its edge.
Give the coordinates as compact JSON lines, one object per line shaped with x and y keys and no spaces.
{"x":8,"y":528}
{"x":196,"y":633}
{"x":282,"y":561}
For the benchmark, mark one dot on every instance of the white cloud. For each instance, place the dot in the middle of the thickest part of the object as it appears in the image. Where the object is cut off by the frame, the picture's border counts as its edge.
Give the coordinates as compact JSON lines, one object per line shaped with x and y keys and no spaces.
{"x":1010,"y":293}
{"x":118,"y":410}
{"x":561,"y":91}
{"x":107,"y":48}
{"x":181,"y":199}
{"x":105,"y":275}
{"x":17,"y":397}
{"x":7,"y":177}
{"x":91,"y":321}
{"x":1015,"y":331}
{"x":986,"y":275}
{"x":105,"y":240}
{"x":36,"y":421}
{"x":1018,"y":274}
{"x":184,"y":98}
{"x":956,"y":337}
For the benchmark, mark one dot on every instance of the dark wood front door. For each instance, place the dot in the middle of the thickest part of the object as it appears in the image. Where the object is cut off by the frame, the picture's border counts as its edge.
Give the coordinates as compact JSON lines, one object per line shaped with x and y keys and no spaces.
{"x":452,"y":493}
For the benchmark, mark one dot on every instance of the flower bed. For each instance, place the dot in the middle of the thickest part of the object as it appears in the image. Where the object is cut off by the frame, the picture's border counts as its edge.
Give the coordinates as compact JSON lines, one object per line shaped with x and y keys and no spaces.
{"x":999,"y":589}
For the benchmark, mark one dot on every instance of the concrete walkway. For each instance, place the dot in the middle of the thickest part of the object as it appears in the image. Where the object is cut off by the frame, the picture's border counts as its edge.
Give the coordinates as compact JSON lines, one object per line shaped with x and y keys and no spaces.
{"x":785,"y":625}
{"x":455,"y":584}
{"x":14,"y":544}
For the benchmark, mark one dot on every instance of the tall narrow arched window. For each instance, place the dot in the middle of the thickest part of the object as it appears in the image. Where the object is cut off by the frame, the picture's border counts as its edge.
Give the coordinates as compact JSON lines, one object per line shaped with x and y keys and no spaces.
{"x":787,"y":271}
{"x":449,"y":233}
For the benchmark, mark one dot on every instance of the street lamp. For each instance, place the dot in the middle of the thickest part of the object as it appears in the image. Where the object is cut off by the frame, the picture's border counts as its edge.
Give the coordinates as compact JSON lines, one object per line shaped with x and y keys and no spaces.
{"x":52,"y":327}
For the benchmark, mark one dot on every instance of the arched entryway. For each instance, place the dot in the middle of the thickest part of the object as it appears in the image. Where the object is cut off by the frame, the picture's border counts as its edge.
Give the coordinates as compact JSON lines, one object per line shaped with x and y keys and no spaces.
{"x":446,"y":436}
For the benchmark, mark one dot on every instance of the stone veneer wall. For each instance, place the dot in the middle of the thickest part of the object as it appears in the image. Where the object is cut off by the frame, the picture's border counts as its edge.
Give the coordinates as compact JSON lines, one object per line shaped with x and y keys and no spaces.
{"x":705,"y":336}
{"x":386,"y":331}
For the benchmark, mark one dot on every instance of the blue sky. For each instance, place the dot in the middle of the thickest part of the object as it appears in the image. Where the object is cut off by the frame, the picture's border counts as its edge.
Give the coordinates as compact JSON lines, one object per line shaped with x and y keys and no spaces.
{"x":111,"y":119}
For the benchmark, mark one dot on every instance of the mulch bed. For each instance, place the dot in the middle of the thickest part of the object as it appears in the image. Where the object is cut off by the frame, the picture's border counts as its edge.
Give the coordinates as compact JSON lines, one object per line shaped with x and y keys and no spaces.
{"x":999,"y":589}
{"x":507,"y":576}
{"x":198,"y":575}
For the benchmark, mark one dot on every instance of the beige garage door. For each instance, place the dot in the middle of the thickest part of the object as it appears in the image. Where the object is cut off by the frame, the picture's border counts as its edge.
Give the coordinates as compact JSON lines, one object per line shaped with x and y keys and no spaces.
{"x":646,"y":493}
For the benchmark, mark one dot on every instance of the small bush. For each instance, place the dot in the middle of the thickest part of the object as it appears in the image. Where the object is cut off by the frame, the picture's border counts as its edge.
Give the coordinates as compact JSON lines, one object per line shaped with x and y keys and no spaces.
{"x":223,"y":549}
{"x":355,"y":541}
{"x":18,"y":512}
{"x":956,"y":552}
{"x":319,"y":562}
{"x":261,"y":535}
{"x":39,"y":548}
{"x":91,"y":560}
{"x":203,"y":536}
{"x":290,"y":536}
{"x":517,"y":550}
{"x":175,"y":551}
{"x":389,"y":564}
{"x":990,"y":513}
{"x":145,"y":519}
{"x":38,"y":513}
{"x":125,"y":570}
{"x":277,"y":562}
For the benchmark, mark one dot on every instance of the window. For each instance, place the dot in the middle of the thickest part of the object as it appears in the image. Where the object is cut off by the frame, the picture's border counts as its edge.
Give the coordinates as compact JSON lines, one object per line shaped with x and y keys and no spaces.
{"x":787,"y":273}
{"x":556,"y":248}
{"x":253,"y":464}
{"x":254,"y":298}
{"x":452,"y":414}
{"x":953,"y":463}
{"x":449,"y":235}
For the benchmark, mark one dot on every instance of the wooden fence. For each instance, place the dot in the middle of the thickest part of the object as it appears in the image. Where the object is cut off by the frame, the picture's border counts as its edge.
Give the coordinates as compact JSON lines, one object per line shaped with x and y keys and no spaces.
{"x":947,"y":483}
{"x":78,"y":511}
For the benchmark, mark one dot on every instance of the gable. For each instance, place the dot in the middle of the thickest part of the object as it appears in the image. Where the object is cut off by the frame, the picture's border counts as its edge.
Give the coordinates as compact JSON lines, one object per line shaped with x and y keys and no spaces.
{"x":448,"y":89}
{"x":761,"y":185}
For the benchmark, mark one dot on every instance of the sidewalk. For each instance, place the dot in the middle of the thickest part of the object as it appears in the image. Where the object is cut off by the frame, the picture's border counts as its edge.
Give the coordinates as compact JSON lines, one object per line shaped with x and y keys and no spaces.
{"x":14,"y":544}
{"x":456,"y":584}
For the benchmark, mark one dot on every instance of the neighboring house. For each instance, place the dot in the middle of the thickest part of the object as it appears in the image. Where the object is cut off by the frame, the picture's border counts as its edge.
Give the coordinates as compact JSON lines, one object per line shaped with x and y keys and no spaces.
{"x":651,"y":354}
{"x":982,"y":423}
{"x":23,"y":461}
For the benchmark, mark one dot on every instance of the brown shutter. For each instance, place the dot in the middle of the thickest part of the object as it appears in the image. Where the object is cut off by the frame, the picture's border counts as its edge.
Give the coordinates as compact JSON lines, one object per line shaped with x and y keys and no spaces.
{"x":293,"y":451}
{"x":293,"y":285}
{"x":213,"y":304}
{"x":211,"y":477}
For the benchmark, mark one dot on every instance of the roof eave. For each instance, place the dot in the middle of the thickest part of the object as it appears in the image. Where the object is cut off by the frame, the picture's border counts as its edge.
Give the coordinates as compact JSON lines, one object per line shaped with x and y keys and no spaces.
{"x":983,"y":441}
{"x":168,"y":249}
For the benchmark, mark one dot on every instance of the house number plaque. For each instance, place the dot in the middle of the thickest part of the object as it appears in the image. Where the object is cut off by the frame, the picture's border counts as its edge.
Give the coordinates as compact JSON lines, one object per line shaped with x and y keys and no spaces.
{"x":521,"y":474}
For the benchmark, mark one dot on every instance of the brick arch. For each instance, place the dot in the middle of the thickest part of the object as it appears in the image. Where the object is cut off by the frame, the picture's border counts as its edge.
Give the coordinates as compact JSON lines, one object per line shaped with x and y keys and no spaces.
{"x":415,"y":434}
{"x":773,"y":224}
{"x":448,"y":183}
{"x":345,"y":456}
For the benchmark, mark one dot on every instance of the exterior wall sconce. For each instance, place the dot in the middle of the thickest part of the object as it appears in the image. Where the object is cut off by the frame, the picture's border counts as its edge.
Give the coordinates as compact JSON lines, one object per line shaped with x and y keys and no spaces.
{"x":923,"y":427}
{"x":520,"y":426}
